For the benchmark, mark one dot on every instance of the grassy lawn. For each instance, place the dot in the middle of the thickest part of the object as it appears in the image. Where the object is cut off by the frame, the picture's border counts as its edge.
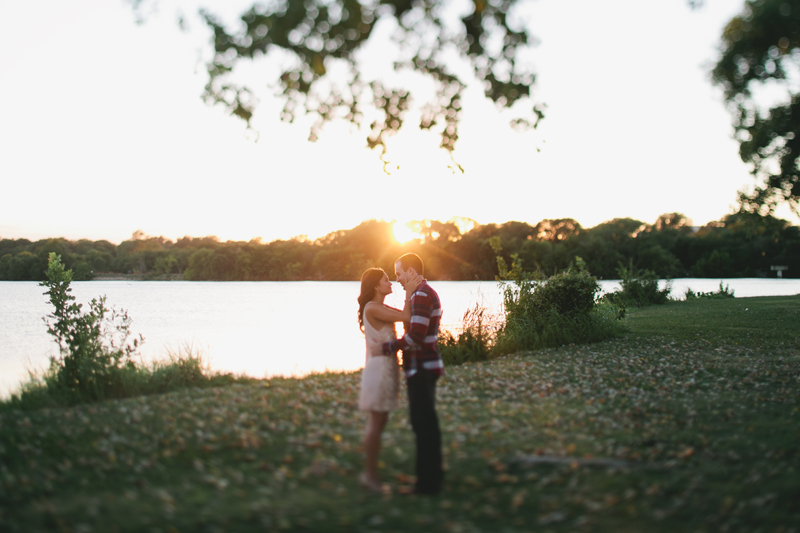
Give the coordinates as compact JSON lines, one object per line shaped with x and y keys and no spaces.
{"x":689,"y":423}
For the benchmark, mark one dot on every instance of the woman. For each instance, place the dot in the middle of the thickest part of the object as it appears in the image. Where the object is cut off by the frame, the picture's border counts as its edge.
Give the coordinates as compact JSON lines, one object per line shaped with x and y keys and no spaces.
{"x":380,"y":380}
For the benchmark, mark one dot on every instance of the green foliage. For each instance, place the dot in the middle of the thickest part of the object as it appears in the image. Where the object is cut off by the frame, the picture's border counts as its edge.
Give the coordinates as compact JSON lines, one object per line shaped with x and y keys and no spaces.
{"x":722,"y":292}
{"x":571,"y":292}
{"x":717,"y":262}
{"x":185,"y":368}
{"x":759,"y":53}
{"x":537,"y":313}
{"x":660,"y":261}
{"x":23,"y":266}
{"x":609,"y":243}
{"x":739,"y":245}
{"x":475,"y":341}
{"x":516,"y":273}
{"x":181,"y":370}
{"x":93,"y":345}
{"x":166,"y":264}
{"x":95,"y":362}
{"x":23,"y":260}
{"x":319,"y":42}
{"x":559,"y":310}
{"x":200,"y":266}
{"x":638,"y":288}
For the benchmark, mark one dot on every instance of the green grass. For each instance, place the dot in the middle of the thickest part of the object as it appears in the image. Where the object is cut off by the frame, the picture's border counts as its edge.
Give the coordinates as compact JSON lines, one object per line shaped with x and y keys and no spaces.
{"x":743,"y":321}
{"x":181,"y":369}
{"x":700,"y":401}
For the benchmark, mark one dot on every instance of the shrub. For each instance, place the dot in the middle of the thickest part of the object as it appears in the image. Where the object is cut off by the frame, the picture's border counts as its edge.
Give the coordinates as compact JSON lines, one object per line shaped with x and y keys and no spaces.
{"x":638,"y":288}
{"x":559,"y":310}
{"x":722,"y":292}
{"x":93,"y":345}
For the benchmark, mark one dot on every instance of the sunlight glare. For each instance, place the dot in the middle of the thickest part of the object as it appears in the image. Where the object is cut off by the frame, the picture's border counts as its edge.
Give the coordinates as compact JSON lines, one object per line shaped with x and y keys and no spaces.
{"x":403,"y":234}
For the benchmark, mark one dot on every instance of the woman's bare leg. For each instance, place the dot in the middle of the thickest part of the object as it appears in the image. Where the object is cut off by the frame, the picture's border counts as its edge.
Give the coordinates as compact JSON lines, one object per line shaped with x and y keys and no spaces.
{"x":372,"y":443}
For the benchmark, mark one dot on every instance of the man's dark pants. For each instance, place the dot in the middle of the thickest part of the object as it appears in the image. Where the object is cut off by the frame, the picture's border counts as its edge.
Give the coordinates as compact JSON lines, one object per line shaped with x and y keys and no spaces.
{"x":425,"y":423}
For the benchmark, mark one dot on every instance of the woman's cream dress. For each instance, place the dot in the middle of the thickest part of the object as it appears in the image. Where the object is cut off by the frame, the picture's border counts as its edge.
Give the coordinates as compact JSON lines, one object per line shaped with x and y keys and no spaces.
{"x":380,"y":380}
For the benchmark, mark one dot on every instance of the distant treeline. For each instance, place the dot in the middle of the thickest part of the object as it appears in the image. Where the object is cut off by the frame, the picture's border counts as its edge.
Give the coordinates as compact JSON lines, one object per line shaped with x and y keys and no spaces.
{"x":739,"y":245}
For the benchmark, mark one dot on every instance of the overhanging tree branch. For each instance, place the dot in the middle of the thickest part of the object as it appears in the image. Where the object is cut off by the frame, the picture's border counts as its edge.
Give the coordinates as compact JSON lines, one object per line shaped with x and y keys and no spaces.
{"x":323,"y":38}
{"x":761,"y":48}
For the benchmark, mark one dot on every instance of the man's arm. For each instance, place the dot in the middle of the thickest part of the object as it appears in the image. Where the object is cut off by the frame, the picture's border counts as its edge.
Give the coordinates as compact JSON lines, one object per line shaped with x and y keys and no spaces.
{"x":418,"y":325}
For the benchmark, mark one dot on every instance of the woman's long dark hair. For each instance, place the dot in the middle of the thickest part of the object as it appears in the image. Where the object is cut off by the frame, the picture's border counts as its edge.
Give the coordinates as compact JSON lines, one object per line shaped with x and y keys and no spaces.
{"x":369,"y":280}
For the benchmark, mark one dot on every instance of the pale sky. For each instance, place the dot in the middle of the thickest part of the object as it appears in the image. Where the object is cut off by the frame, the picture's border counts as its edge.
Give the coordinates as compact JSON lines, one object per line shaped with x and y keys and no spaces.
{"x":103,"y":132}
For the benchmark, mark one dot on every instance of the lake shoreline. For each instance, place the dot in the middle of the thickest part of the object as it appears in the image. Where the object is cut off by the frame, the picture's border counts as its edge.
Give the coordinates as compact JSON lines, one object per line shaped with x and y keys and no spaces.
{"x":114,"y":276}
{"x":229,"y":321}
{"x":695,"y":409}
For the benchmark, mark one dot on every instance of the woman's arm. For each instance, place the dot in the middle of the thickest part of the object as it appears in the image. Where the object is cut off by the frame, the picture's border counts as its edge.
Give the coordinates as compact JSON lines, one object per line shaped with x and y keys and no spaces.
{"x":384,"y":313}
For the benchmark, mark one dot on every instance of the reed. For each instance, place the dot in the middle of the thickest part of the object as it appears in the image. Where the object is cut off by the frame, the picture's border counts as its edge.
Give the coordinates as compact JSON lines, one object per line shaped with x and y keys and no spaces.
{"x":474,"y":340}
{"x":181,"y":369}
{"x":722,"y":292}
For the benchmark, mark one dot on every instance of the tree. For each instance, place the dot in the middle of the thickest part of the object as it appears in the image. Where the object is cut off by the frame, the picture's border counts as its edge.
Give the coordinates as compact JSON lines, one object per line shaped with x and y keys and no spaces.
{"x":673,"y":221}
{"x":760,"y":53}
{"x":557,"y":230}
{"x":606,"y":245}
{"x":324,"y":78}
{"x":431,"y":230}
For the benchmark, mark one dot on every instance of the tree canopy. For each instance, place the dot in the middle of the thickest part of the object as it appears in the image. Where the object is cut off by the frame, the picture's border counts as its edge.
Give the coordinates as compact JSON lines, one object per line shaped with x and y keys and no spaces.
{"x":318,"y":42}
{"x":758,"y":71}
{"x":739,"y":245}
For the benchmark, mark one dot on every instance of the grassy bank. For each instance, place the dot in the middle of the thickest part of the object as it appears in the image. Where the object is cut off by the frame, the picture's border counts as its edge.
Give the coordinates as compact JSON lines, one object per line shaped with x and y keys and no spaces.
{"x":688,"y":423}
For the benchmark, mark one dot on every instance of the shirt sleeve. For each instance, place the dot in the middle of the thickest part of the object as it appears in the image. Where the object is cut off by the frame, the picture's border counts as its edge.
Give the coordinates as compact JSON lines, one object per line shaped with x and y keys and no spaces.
{"x":418,"y":325}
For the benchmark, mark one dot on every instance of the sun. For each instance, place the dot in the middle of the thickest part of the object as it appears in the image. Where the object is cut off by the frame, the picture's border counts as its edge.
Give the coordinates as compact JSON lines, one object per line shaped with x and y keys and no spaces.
{"x":403,"y":234}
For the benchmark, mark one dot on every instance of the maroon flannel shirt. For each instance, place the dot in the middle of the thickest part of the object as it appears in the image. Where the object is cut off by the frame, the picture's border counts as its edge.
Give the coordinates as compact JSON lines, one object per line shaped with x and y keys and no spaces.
{"x":419,"y":343}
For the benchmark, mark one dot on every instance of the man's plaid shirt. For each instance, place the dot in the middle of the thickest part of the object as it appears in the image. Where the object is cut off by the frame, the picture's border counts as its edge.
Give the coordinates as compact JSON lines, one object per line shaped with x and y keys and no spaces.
{"x":419,"y":343}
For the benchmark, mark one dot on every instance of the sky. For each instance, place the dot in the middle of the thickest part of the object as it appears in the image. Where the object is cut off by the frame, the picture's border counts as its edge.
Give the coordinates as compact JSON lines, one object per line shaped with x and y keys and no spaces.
{"x":103,"y":131}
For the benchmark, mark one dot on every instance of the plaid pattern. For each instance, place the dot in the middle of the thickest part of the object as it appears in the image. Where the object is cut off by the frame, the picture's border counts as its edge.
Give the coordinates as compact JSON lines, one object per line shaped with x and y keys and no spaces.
{"x":419,"y":343}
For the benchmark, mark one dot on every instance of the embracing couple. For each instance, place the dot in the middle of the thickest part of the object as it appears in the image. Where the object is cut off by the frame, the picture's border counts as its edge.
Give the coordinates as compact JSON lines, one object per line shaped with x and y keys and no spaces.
{"x":422,"y":365}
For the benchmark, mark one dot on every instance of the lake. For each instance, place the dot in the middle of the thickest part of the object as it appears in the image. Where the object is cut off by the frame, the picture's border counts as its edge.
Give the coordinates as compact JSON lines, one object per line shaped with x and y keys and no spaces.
{"x":257,"y":328}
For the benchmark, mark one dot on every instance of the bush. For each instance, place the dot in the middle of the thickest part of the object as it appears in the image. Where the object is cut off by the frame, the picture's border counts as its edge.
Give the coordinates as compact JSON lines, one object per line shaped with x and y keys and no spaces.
{"x":638,"y":288}
{"x":559,"y":310}
{"x":94,"y":347}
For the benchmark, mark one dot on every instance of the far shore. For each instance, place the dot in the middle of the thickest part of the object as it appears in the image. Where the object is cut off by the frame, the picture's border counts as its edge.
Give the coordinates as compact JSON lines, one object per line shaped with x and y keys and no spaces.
{"x":118,"y":276}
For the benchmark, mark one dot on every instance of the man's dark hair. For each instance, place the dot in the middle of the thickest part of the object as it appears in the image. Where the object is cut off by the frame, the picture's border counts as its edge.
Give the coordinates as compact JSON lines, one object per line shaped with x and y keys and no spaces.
{"x":412,"y":260}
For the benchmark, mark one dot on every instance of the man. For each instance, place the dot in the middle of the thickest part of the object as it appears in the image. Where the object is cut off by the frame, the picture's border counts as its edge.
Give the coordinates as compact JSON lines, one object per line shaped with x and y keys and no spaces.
{"x":422,"y":365}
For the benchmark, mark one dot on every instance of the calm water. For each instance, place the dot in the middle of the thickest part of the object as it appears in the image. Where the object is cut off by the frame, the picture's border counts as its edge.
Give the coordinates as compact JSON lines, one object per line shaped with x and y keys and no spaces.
{"x":256,"y":328}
